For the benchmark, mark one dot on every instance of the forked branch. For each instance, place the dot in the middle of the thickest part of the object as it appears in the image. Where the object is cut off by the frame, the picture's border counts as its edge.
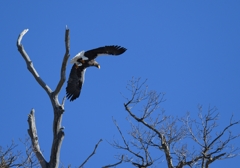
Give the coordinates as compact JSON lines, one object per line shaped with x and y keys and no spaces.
{"x":58,"y":133}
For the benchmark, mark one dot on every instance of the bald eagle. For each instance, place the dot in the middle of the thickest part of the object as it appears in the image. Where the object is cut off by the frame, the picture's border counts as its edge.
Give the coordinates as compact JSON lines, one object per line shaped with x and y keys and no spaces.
{"x":83,"y":60}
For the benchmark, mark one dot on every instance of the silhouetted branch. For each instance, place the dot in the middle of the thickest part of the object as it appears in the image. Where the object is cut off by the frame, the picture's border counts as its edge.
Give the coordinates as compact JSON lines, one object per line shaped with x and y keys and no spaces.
{"x":126,"y":144}
{"x":9,"y":158}
{"x":30,"y":161}
{"x":115,"y":164}
{"x":222,"y":133}
{"x":212,"y":148}
{"x":153,"y":100}
{"x":94,"y":151}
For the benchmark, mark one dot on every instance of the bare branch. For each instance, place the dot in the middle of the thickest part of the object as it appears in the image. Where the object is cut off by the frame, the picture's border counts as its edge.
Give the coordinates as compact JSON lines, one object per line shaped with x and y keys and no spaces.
{"x":63,"y":101}
{"x":115,"y":164}
{"x":222,"y":133}
{"x":94,"y":151}
{"x":152,"y":103}
{"x":213,"y":159}
{"x":32,"y":131}
{"x":211,"y":148}
{"x":164,"y":144}
{"x":189,"y":126}
{"x":126,"y":144}
{"x":30,"y":64}
{"x":9,"y":158}
{"x":64,"y":63}
{"x":29,"y":161}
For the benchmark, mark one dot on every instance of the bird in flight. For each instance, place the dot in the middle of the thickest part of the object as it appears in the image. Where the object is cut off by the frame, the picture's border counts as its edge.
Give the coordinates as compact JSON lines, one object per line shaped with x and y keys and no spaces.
{"x":83,"y":60}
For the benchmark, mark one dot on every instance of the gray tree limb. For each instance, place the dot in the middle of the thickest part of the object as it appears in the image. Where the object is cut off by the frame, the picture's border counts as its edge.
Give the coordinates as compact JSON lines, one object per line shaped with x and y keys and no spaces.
{"x":58,"y":108}
{"x":30,"y":64}
{"x":32,"y":131}
{"x":64,"y":64}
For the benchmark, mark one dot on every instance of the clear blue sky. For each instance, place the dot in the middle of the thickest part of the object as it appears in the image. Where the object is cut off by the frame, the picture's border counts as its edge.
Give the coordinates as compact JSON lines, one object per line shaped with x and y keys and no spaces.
{"x":189,"y":50}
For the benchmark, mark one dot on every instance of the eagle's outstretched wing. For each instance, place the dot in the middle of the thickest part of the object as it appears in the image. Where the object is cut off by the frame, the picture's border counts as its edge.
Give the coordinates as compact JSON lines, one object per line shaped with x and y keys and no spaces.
{"x":75,"y":82}
{"x":107,"y":50}
{"x":83,"y":60}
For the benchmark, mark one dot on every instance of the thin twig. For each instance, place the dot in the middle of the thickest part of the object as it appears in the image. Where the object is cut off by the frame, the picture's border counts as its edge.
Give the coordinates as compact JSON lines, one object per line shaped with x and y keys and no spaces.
{"x":115,"y":164}
{"x":94,"y":151}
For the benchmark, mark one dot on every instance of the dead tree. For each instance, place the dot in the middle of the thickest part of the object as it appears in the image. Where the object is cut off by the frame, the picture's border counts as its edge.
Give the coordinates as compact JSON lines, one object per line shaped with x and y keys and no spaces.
{"x":58,"y":108}
{"x":156,"y":136}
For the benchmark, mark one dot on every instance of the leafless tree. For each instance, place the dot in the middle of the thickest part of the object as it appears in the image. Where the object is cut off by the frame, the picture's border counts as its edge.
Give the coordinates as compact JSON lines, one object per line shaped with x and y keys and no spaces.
{"x":156,"y":137}
{"x":9,"y":157}
{"x":58,"y":108}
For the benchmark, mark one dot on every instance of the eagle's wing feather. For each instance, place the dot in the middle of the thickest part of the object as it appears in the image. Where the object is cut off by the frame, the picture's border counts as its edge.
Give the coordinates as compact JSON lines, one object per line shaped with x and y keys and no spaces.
{"x":75,"y":82}
{"x":107,"y":50}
